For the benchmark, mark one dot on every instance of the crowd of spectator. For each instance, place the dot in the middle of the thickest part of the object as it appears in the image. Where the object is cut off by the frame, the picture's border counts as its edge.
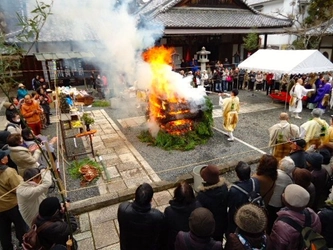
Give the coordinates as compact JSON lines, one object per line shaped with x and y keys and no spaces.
{"x":223,"y":77}
{"x":25,"y":180}
{"x":221,"y":216}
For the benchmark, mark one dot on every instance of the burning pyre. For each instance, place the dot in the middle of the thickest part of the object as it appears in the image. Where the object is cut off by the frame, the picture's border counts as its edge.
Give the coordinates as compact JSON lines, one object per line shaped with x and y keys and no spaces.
{"x":174,"y":105}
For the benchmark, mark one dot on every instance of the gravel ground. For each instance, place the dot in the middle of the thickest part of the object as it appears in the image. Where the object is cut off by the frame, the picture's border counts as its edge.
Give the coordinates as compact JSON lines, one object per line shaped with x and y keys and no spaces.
{"x":251,"y":129}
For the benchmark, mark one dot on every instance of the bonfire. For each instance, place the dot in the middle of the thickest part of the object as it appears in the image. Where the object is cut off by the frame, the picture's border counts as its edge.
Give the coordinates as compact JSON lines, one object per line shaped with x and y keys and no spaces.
{"x":182,"y":114}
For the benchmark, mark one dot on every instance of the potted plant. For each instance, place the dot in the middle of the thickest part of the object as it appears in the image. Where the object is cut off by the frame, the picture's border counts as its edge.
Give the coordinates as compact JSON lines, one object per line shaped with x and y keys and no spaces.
{"x":88,"y":120}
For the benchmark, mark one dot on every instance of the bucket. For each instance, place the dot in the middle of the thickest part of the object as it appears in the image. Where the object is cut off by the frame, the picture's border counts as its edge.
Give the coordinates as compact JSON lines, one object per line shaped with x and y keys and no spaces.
{"x":197,"y":180}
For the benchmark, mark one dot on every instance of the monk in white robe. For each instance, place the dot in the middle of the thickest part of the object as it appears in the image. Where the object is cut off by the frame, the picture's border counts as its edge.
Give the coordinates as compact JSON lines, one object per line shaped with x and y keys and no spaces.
{"x":297,"y":92}
{"x":315,"y":131}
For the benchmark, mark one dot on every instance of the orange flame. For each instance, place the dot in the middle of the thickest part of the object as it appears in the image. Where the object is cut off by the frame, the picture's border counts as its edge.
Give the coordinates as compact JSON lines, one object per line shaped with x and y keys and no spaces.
{"x":159,"y":59}
{"x":163,"y":93}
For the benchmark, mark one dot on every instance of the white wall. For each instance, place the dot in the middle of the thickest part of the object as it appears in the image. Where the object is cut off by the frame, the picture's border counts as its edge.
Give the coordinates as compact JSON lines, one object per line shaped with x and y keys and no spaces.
{"x":272,"y":7}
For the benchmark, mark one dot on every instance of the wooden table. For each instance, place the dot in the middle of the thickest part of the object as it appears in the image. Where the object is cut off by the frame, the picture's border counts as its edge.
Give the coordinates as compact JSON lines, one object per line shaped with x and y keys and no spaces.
{"x":70,"y":132}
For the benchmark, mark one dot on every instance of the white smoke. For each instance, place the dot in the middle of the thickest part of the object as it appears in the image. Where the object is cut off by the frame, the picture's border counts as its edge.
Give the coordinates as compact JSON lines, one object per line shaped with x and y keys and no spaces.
{"x":121,"y":36}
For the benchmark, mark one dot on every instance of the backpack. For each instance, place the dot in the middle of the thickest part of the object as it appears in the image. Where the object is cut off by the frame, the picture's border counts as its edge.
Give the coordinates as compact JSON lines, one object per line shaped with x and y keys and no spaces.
{"x":30,"y":239}
{"x":248,"y":246}
{"x":189,"y":246}
{"x":309,"y":238}
{"x":253,"y":196}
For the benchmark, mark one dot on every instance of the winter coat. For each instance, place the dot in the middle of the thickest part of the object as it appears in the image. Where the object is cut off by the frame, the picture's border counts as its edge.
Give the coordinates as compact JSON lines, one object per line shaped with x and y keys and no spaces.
{"x":176,"y":217}
{"x":140,"y":227}
{"x":30,"y":195}
{"x":196,"y":242}
{"x":237,"y":198}
{"x":22,"y":157}
{"x":312,"y":191}
{"x":44,"y":103}
{"x":57,"y":232}
{"x":319,"y":178}
{"x":326,"y":218}
{"x":215,"y":199}
{"x":28,"y":112}
{"x":284,"y":236}
{"x":282,"y":181}
{"x":299,"y":158}
{"x":9,"y":180}
{"x":21,"y":93}
{"x":14,"y":128}
{"x":266,"y":187}
{"x":256,"y":241}
{"x":30,"y":144}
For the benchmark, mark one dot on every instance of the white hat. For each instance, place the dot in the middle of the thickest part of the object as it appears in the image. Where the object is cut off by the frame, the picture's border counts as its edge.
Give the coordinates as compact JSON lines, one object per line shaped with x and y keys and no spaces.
{"x":21,"y":85}
{"x":296,"y":196}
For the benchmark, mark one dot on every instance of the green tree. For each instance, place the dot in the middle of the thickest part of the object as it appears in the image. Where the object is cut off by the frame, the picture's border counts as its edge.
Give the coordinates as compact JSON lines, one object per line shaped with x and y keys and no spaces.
{"x":309,"y":31}
{"x":251,"y":41}
{"x":10,"y":53}
{"x":319,"y":11}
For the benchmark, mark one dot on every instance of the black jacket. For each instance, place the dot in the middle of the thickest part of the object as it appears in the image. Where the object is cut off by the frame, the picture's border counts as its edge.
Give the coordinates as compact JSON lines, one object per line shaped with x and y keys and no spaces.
{"x":326,"y":218}
{"x":215,"y":199}
{"x":299,"y":158}
{"x":176,"y":216}
{"x":57,"y":232}
{"x":237,"y":198}
{"x":140,"y":227}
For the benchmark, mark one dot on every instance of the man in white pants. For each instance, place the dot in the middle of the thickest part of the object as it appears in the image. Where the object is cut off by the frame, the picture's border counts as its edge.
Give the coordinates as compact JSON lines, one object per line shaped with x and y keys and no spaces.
{"x":297,"y":92}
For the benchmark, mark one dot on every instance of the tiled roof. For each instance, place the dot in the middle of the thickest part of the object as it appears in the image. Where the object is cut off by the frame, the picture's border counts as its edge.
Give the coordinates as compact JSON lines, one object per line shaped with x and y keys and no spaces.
{"x":58,"y":29}
{"x":217,"y":18}
{"x":156,"y":6}
{"x":326,"y":28}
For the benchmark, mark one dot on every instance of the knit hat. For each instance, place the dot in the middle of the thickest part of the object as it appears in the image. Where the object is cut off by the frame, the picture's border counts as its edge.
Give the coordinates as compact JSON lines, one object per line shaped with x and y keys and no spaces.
{"x":49,"y":206}
{"x":202,"y":222}
{"x":251,"y":218}
{"x":3,"y":153}
{"x":296,"y":196}
{"x":210,"y":174}
{"x":314,"y":159}
{"x":299,"y":142}
{"x":302,"y":177}
{"x":326,"y":155}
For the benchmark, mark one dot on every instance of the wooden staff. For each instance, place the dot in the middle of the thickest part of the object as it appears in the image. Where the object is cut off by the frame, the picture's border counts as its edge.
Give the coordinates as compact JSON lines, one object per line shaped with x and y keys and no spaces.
{"x":55,"y":172}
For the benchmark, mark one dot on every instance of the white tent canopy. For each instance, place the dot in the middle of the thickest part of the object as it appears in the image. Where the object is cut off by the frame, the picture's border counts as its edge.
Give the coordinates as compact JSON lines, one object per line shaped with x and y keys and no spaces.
{"x":287,"y":62}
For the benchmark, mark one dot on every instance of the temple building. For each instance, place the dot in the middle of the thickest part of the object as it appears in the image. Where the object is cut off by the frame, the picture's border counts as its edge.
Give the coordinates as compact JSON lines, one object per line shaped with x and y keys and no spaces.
{"x":189,"y":25}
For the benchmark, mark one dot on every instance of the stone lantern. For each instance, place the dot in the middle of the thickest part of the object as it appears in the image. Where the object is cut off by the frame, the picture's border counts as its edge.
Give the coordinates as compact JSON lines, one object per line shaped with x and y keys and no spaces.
{"x":203,"y":58}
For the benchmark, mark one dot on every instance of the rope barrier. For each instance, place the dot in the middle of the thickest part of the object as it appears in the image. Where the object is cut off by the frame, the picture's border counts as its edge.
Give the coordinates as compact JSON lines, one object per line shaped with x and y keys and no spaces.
{"x":175,"y":168}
